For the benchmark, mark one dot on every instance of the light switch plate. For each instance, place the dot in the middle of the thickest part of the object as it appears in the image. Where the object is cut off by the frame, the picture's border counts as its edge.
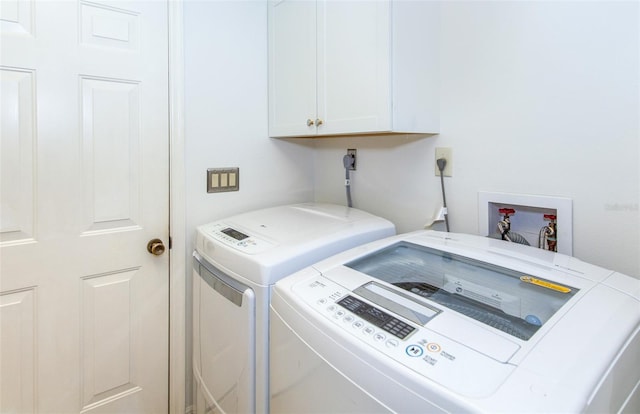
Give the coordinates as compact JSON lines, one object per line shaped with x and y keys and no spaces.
{"x":221,"y":180}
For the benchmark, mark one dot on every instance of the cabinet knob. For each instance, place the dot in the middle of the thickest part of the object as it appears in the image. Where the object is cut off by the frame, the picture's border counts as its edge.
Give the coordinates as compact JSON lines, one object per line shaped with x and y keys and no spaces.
{"x":309,"y":122}
{"x":319,"y":122}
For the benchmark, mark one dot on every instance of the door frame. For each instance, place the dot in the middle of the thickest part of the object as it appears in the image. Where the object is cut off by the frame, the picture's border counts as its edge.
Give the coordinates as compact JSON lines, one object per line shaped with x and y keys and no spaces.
{"x":177,"y":212}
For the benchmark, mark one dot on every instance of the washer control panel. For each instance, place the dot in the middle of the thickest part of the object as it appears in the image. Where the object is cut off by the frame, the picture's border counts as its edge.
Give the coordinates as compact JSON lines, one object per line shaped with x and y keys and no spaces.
{"x":377,"y":317}
{"x":232,"y":237}
{"x":417,"y":347}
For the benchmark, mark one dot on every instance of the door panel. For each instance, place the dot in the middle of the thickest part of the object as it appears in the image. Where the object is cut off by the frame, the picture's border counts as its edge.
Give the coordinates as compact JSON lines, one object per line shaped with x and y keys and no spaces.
{"x":110,"y":140}
{"x":292,"y":67}
{"x":17,"y":342}
{"x":16,"y":153}
{"x":107,"y":335}
{"x":101,"y":25}
{"x":354,"y":77}
{"x":83,"y":187}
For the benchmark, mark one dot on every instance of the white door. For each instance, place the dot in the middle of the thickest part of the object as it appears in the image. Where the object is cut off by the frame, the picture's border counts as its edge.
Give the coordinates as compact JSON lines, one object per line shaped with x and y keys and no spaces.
{"x":83,"y":188}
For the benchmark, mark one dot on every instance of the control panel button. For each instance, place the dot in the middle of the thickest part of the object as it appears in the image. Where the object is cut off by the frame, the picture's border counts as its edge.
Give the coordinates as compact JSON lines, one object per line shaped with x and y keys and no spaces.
{"x":414,"y":350}
{"x":433,"y":347}
{"x":392,"y":343}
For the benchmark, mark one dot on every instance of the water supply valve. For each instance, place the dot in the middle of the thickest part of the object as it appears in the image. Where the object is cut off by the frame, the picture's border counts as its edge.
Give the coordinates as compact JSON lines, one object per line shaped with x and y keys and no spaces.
{"x":504,"y":226}
{"x":506,"y":212}
{"x":548,"y":236}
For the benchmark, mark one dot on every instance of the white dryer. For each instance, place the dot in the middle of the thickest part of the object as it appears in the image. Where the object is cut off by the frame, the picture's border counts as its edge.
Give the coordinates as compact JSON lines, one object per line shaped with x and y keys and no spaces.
{"x":236,"y":262}
{"x":431,"y":322}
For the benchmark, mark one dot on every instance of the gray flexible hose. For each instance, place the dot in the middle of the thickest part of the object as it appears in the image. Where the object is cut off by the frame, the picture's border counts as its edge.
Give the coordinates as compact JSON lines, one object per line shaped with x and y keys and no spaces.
{"x":347,"y":161}
{"x":441,"y":163}
{"x":512,"y":237}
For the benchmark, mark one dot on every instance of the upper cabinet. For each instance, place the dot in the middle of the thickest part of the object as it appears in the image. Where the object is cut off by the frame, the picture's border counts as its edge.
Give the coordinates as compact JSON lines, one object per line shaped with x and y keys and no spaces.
{"x":353,"y":67}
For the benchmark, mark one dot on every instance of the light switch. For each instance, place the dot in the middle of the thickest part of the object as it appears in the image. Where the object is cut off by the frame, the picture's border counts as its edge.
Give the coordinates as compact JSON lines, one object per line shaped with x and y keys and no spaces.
{"x":214,"y":180}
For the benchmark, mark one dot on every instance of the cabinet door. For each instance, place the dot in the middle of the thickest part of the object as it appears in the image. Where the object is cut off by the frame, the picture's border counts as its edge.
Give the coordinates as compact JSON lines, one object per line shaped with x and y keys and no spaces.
{"x":354,"y":76}
{"x":292,"y":68}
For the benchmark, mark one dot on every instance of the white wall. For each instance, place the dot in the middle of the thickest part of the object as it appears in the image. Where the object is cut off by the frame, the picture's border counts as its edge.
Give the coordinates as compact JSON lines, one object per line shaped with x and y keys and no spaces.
{"x":226,"y":114}
{"x":536,"y":97}
{"x":225,"y":49}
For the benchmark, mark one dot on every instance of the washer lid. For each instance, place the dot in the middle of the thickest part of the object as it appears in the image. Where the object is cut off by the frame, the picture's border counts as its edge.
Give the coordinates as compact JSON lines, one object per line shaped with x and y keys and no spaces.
{"x":290,"y":224}
{"x":265,"y":245}
{"x":508,"y":300}
{"x":262,"y":230}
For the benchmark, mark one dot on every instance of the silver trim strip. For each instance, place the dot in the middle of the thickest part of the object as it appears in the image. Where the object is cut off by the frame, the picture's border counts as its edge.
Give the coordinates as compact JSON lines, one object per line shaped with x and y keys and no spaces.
{"x":219,"y":281}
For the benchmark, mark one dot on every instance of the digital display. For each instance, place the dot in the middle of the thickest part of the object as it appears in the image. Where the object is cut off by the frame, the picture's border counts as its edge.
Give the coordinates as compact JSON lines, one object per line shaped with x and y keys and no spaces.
{"x":234,"y":233}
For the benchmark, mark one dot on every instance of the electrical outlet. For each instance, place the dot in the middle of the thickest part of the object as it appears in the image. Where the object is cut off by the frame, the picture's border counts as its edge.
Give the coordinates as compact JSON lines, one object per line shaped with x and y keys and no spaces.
{"x":352,"y":152}
{"x":447,"y":154}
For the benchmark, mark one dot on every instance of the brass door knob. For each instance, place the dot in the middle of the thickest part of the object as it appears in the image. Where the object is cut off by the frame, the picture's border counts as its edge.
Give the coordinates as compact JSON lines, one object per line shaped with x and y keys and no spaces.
{"x":319,"y":122}
{"x":310,"y":122}
{"x":155,"y":247}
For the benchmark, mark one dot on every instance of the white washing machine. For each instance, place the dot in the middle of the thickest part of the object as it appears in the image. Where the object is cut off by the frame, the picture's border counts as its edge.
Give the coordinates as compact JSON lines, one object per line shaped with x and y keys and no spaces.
{"x":236,"y":262}
{"x":449,"y":323}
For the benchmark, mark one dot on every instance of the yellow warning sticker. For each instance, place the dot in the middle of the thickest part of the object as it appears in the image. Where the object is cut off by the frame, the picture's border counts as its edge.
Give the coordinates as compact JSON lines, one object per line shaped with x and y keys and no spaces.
{"x":544,"y":283}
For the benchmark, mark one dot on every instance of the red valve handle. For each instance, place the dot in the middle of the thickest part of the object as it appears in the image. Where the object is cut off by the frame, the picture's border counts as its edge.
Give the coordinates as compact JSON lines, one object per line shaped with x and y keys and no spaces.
{"x":550,"y":217}
{"x":506,"y":211}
